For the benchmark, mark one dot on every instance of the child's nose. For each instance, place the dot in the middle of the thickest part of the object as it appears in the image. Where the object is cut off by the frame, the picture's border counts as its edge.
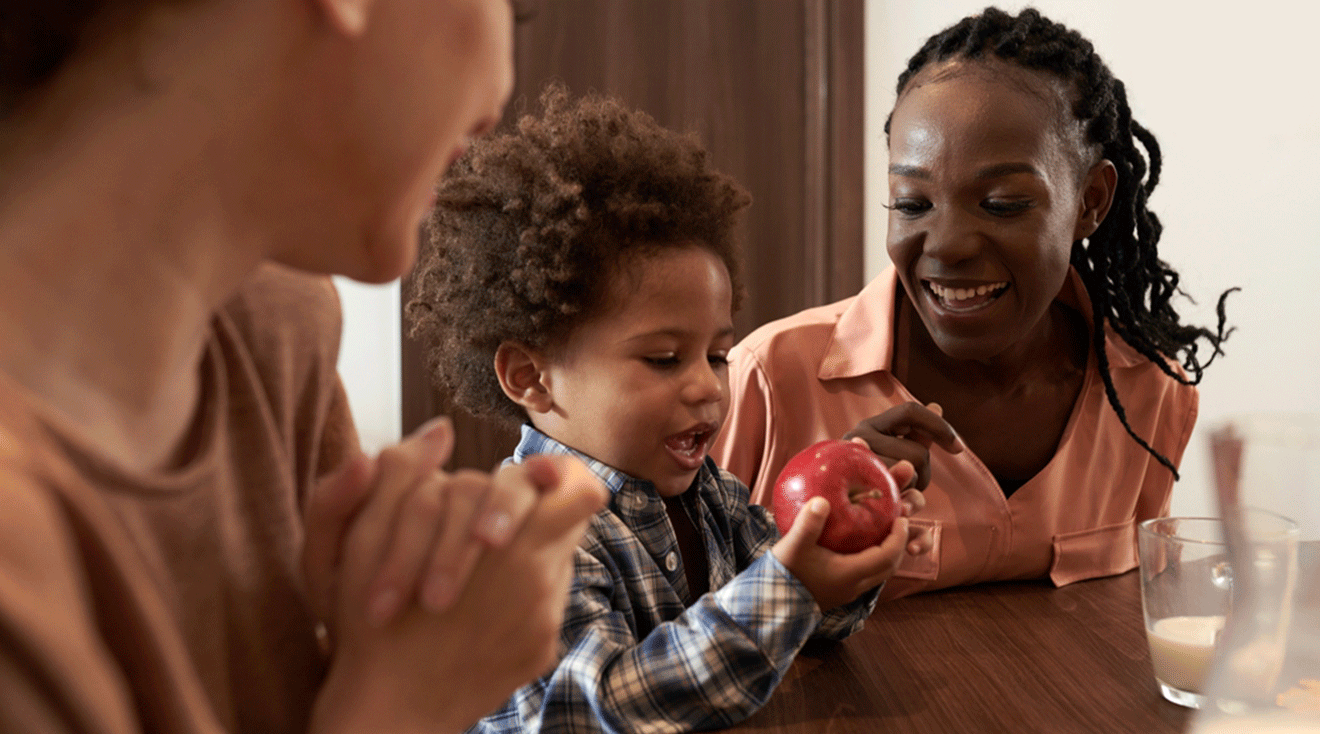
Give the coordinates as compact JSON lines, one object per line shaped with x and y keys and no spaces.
{"x":703,"y":385}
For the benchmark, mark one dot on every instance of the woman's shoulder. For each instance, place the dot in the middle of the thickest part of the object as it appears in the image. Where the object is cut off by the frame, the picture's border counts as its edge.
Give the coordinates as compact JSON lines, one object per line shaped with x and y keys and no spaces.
{"x":806,"y":326}
{"x":286,"y":320}
{"x":276,"y":300}
{"x":1147,"y":375}
{"x":861,"y":322}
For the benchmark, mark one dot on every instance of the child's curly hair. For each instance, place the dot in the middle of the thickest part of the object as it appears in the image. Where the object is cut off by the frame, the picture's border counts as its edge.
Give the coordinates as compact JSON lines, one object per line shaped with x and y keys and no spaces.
{"x":531,"y":226}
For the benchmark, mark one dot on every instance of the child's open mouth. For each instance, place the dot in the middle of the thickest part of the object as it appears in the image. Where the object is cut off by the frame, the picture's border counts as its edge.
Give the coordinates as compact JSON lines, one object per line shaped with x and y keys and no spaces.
{"x":963,"y":300}
{"x":689,"y":447}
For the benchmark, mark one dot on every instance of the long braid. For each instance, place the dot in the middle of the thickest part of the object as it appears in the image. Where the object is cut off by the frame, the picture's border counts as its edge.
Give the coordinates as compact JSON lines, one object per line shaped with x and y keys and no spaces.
{"x":1130,"y":287}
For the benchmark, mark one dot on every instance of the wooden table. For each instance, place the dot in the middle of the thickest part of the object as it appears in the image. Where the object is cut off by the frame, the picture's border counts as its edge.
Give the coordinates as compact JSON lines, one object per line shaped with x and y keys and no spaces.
{"x":1012,"y":657}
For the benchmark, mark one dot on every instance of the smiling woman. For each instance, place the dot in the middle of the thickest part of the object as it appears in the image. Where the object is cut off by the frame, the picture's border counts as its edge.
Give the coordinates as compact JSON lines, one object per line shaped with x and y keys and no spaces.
{"x":1027,"y":313}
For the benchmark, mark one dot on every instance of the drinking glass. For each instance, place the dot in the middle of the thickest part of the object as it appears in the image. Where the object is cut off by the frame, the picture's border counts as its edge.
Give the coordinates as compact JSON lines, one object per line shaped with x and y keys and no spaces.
{"x":1266,"y":677}
{"x":1186,"y":580}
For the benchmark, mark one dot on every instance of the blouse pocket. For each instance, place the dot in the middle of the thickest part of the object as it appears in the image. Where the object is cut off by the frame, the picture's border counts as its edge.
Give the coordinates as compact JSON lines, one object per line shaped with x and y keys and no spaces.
{"x":924,"y":567}
{"x":1087,"y":554}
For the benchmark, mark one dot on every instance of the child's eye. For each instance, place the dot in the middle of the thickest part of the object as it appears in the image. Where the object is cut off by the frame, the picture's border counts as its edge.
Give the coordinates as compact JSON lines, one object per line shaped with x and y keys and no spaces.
{"x":1006,"y":207}
{"x":662,"y":360}
{"x":908,"y":206}
{"x":719,"y":359}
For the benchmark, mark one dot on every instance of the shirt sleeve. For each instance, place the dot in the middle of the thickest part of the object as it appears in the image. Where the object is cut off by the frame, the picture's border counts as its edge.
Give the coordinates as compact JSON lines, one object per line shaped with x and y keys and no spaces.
{"x":712,"y":666}
{"x":56,"y":675}
{"x":838,"y":623}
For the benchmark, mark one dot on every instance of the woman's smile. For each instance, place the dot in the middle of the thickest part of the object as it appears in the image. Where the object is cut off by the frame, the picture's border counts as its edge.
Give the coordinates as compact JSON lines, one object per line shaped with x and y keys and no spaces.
{"x":965,"y":299}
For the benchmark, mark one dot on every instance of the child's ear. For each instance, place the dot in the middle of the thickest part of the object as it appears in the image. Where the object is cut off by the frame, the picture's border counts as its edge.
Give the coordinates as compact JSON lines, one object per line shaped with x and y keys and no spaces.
{"x":519,"y":369}
{"x":1097,"y":196}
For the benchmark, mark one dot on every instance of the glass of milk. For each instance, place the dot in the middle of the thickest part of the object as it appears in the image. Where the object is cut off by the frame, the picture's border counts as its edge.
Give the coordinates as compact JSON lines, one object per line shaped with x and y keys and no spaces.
{"x":1186,"y":587}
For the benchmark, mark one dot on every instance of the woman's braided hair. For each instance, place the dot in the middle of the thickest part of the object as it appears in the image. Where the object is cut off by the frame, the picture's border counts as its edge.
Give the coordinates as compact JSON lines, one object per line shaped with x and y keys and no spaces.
{"x":1130,"y":287}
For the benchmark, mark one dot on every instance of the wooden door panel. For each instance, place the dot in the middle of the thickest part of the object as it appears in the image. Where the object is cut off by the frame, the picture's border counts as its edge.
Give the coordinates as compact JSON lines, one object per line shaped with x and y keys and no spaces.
{"x":773,"y":89}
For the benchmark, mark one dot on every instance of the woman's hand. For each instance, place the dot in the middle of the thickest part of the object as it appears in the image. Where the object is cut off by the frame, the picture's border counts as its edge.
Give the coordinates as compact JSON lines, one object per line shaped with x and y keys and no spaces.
{"x":905,"y":433}
{"x":433,"y":671}
{"x":434,"y":524}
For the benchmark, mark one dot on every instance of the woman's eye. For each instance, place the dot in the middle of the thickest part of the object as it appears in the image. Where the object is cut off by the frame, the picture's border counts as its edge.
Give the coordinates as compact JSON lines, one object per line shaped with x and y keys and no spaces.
{"x":909,"y":207}
{"x":1006,"y":207}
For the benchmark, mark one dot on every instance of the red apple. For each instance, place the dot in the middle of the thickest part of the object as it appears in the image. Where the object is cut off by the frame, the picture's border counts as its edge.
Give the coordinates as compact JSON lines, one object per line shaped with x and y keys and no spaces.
{"x":862,"y":493}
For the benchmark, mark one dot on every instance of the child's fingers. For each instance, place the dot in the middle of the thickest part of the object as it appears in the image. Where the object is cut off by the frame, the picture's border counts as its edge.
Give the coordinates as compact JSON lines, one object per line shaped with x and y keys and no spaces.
{"x":920,"y":540}
{"x":905,"y":475}
{"x":808,"y":525}
{"x":574,"y":497}
{"x":913,"y":501}
{"x":876,"y":564}
{"x":513,"y":493}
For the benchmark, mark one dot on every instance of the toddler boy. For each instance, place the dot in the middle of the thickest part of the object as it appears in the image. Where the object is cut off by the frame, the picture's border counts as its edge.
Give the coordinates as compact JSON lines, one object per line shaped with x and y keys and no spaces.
{"x":581,"y":282}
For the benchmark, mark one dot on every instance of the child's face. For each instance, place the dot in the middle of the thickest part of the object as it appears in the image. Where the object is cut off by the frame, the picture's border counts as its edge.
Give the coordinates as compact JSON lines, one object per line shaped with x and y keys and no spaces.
{"x":985,"y":198}
{"x":644,"y":387}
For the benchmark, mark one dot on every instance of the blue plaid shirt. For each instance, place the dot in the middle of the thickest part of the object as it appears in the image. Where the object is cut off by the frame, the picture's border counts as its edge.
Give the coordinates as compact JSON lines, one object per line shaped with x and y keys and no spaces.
{"x":638,"y":656}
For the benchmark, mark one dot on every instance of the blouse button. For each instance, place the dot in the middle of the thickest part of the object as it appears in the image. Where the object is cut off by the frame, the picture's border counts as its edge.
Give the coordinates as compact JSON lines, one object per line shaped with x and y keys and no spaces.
{"x":671,"y":561}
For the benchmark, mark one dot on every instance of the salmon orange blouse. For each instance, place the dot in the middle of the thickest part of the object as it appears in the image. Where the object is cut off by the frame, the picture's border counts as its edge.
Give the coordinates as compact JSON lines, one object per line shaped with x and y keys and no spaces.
{"x":818,"y":373}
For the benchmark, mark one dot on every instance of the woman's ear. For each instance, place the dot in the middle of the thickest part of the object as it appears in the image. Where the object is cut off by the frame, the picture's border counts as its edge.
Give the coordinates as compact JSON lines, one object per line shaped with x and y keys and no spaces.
{"x":521,"y":374}
{"x":1097,"y":196}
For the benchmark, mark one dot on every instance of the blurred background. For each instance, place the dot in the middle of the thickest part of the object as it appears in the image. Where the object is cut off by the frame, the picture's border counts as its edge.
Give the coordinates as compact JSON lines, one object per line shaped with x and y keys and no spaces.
{"x":790,"y":96}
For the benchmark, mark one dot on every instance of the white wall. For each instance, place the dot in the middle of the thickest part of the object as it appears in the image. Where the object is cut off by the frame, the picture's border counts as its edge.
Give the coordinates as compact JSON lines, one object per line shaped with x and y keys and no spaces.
{"x":1230,"y":92}
{"x":369,"y":360}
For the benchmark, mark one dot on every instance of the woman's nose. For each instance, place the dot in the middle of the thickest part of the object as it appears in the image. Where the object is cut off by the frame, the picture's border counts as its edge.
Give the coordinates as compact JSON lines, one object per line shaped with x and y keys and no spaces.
{"x":952,"y":238}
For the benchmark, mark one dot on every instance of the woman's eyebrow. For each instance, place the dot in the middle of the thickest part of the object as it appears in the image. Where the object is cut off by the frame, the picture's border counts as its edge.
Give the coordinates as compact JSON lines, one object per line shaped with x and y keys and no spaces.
{"x":992,"y":171}
{"x":1006,"y":169}
{"x":909,"y":171}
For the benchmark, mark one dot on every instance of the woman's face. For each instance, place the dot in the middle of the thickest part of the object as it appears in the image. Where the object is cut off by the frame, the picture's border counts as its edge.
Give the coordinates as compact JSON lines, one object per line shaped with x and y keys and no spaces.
{"x":420,"y":80}
{"x":986,"y":198}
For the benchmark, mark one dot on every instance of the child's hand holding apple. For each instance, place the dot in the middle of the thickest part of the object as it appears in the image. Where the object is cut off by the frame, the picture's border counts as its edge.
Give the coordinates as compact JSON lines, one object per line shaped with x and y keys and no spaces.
{"x":844,"y":520}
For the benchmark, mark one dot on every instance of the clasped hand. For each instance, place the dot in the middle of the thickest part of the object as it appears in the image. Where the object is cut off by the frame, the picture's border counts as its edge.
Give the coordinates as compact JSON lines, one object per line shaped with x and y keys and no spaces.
{"x":442,"y":592}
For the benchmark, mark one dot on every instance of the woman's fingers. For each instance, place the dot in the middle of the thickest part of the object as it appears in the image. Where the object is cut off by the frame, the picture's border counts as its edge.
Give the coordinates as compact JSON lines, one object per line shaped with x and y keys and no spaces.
{"x":457,"y":546}
{"x":331,"y":507}
{"x":906,"y":432}
{"x":430,"y":505}
{"x":915,"y":422}
{"x":400,"y":516}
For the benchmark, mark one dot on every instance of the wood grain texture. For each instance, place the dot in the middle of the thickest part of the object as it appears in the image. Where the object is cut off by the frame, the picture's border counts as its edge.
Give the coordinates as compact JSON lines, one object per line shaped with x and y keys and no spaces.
{"x":1014,"y":657}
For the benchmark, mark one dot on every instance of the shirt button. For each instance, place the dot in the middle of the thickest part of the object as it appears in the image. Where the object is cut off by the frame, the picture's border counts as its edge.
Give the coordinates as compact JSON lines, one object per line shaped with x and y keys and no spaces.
{"x":671,"y":561}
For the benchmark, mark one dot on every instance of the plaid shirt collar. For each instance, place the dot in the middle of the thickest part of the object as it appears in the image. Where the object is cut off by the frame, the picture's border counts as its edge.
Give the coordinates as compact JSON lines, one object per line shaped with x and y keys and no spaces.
{"x":631,"y":498}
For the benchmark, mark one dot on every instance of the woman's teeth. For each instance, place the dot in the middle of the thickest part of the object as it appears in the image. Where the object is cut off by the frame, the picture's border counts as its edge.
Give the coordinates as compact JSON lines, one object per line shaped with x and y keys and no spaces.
{"x":965,"y":298}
